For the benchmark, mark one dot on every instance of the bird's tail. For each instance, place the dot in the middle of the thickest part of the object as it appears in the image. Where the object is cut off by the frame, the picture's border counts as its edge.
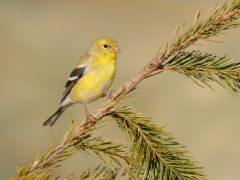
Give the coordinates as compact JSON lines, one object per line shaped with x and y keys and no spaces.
{"x":50,"y":121}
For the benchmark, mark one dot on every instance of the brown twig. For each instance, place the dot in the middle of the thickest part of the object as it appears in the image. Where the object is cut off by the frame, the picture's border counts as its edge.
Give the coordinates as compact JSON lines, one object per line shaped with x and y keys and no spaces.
{"x":154,"y":65}
{"x":105,"y":108}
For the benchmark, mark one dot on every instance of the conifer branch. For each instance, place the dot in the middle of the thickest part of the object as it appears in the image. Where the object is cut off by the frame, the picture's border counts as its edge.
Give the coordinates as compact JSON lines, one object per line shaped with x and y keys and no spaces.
{"x":222,"y":18}
{"x":54,"y":155}
{"x":97,"y":173}
{"x":150,"y":143}
{"x":205,"y":67}
{"x":158,"y":155}
{"x":107,"y":150}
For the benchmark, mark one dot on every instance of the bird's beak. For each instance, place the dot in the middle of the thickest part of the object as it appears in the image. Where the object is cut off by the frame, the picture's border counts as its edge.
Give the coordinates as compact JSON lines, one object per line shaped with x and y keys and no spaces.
{"x":116,"y":50}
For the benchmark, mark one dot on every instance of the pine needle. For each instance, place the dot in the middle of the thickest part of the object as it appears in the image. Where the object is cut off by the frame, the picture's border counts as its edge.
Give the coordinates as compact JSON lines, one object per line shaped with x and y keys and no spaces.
{"x":155,"y":153}
{"x":214,"y":23}
{"x":204,"y":68}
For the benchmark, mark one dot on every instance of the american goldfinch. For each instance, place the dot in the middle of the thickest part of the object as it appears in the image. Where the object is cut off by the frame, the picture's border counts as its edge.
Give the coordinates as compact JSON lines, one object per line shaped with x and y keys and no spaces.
{"x":91,"y":78}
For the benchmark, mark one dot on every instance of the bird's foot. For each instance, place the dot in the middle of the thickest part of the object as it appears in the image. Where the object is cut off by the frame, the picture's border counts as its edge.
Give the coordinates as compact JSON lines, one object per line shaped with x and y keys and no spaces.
{"x":110,"y":94}
{"x":91,"y":118}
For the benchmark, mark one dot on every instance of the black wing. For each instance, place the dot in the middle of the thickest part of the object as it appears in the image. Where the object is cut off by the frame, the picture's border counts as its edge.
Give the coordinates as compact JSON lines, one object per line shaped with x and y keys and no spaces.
{"x":76,"y":74}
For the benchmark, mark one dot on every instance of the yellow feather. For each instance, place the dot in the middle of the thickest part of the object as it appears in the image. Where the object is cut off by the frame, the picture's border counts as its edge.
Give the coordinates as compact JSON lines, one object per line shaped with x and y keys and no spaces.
{"x":99,"y":65}
{"x":100,"y":72}
{"x":98,"y":79}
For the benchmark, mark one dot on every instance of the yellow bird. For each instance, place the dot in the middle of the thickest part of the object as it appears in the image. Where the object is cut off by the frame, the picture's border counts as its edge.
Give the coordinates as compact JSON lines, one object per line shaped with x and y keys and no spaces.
{"x":91,"y":78}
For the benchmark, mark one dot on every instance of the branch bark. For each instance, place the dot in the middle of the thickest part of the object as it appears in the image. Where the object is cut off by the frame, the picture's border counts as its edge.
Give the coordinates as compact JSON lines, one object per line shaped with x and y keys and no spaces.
{"x":155,"y":64}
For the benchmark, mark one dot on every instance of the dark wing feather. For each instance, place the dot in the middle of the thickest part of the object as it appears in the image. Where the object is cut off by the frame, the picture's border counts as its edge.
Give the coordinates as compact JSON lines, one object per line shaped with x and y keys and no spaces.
{"x":76,"y":74}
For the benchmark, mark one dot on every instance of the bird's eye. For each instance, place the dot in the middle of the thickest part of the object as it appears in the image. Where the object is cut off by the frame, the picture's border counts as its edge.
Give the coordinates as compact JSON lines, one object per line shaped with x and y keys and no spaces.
{"x":105,"y":46}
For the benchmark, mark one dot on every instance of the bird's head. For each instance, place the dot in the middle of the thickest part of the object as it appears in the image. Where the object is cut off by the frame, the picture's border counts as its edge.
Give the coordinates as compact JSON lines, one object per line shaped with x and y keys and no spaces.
{"x":106,"y":46}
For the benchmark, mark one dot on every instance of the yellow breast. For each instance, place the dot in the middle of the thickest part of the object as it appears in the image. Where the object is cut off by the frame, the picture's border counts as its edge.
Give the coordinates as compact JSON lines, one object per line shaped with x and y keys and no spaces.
{"x":96,"y":81}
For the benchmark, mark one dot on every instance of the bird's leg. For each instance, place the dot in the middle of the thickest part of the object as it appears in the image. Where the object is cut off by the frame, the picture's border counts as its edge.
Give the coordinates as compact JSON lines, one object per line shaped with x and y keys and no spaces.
{"x":86,"y":111}
{"x":88,"y":115}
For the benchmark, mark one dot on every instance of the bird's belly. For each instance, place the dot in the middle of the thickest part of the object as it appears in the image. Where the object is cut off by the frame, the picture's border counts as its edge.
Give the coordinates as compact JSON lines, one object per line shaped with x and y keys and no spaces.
{"x":92,"y":86}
